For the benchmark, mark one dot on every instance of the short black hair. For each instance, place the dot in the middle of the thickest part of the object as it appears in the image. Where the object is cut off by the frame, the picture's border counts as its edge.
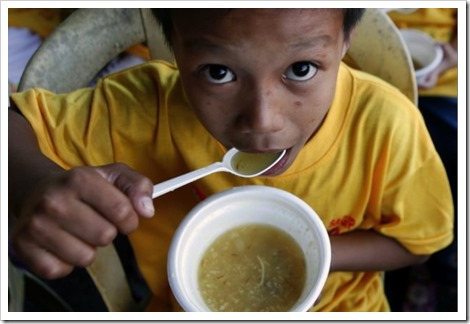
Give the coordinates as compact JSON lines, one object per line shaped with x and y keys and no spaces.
{"x":352,"y":16}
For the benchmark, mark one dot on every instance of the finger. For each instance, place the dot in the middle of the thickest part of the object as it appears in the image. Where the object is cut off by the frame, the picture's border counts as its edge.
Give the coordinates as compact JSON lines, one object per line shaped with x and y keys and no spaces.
{"x":135,"y":186}
{"x":112,"y":204}
{"x":46,"y":235}
{"x":425,"y":85}
{"x":75,"y":209}
{"x":90,"y":187}
{"x":46,"y":265}
{"x":39,"y":260}
{"x":428,"y":82}
{"x":85,"y":223}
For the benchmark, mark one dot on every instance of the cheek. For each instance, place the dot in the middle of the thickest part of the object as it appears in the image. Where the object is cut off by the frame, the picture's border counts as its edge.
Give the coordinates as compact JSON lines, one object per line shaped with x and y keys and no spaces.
{"x":208,"y":103}
{"x":205,"y":110}
{"x":310,"y":111}
{"x":212,"y":115}
{"x":322,"y":96}
{"x":305,"y":113}
{"x":211,"y":109}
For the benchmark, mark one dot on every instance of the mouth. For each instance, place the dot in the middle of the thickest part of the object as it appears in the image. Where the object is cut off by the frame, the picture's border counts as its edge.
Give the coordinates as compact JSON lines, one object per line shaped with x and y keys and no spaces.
{"x":278,"y":168}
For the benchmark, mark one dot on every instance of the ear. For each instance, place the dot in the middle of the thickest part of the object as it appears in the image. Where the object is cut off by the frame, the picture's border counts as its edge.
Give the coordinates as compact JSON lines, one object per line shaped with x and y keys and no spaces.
{"x":347,"y":42}
{"x":345,"y":48}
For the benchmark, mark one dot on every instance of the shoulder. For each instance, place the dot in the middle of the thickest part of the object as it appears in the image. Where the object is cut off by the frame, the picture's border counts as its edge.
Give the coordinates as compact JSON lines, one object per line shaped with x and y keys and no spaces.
{"x":381,"y":113}
{"x":366,"y":86}
{"x":373,"y":97}
{"x":145,"y":83}
{"x":156,"y":73}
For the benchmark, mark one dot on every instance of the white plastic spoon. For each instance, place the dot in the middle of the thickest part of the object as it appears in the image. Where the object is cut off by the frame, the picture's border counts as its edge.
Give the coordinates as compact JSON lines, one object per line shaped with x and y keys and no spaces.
{"x":242,"y":164}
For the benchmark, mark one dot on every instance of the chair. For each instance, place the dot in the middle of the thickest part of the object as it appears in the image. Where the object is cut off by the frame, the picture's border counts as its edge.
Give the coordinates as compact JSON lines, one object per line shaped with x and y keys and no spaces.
{"x":84,"y":43}
{"x":90,"y":38}
{"x":378,"y":48}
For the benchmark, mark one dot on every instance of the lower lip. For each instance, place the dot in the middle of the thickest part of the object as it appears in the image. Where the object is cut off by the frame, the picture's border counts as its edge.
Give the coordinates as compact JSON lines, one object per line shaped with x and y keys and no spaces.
{"x":278,"y":166}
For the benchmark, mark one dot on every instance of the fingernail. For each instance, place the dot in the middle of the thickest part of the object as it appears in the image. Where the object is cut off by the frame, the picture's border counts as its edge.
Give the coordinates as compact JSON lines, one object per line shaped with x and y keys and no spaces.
{"x":147,"y":203}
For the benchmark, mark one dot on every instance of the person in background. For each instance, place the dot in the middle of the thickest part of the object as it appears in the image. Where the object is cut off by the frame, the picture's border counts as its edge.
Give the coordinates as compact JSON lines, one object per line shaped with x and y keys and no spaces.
{"x":433,"y":285}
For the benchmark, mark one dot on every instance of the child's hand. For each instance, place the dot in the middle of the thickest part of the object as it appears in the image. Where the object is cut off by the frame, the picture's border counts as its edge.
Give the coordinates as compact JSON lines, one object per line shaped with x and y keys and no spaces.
{"x":64,"y":219}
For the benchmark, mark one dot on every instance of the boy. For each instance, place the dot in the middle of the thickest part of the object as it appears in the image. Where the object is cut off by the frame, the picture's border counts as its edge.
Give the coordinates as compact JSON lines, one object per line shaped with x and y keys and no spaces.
{"x":256,"y":79}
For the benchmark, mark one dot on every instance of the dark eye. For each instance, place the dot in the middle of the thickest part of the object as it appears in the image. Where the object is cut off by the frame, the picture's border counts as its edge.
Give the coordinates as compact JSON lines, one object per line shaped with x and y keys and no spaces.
{"x":301,"y":71}
{"x":216,"y":73}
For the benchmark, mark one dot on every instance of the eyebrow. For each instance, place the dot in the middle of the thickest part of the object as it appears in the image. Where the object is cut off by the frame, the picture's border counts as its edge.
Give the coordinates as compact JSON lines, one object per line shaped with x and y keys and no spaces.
{"x":323,"y":41}
{"x":203,"y":43}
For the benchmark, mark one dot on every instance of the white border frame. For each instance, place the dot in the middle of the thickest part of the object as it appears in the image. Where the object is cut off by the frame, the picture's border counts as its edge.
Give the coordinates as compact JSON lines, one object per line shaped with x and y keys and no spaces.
{"x":462,"y":140}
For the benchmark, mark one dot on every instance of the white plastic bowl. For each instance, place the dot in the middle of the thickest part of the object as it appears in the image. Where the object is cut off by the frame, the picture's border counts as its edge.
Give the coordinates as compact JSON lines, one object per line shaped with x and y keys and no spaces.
{"x":240,"y":206}
{"x":423,"y":50}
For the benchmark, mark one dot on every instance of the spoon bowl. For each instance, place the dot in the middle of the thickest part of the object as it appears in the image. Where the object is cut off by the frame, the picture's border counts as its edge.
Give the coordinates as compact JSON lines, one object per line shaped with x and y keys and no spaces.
{"x":246,"y":165}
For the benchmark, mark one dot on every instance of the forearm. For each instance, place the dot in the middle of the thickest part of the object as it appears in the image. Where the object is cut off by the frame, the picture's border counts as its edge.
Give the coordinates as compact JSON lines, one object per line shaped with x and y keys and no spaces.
{"x":26,"y":164}
{"x":369,"y":251}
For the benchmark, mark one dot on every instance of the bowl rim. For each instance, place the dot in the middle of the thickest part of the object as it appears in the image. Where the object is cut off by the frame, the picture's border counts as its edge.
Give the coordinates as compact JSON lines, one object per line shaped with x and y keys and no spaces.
{"x":231,"y":195}
{"x":439,"y":53}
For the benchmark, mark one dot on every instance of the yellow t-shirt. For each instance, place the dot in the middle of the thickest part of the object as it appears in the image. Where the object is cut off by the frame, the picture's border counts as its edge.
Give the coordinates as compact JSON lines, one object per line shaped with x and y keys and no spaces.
{"x":372,"y":165}
{"x":441,"y":24}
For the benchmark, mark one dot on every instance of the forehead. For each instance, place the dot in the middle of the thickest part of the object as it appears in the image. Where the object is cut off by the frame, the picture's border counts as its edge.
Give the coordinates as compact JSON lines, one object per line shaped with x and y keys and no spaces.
{"x":251,"y":23}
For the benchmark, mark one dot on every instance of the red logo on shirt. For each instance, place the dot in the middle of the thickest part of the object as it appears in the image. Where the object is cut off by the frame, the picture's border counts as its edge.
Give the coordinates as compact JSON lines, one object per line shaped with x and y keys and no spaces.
{"x":338,"y":225}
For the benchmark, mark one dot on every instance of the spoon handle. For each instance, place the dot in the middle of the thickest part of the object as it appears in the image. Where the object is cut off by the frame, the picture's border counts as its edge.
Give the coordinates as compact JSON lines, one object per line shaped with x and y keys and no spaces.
{"x":172,"y":184}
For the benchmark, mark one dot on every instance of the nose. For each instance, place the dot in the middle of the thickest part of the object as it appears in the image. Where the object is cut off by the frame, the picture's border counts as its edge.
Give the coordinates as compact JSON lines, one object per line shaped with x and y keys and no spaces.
{"x":262,"y":110}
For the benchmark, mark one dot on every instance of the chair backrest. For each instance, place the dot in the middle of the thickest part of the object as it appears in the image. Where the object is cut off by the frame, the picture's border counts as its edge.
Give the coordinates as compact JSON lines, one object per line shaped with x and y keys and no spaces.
{"x":379,"y":49}
{"x":85,"y":42}
{"x":89,"y":38}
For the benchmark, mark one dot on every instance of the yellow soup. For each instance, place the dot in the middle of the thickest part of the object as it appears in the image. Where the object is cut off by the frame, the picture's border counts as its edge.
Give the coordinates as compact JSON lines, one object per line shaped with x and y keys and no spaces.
{"x":252,"y":268}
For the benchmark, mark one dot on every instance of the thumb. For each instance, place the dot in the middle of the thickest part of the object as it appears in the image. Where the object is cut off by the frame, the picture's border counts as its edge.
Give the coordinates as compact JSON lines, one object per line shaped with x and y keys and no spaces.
{"x":134,"y":185}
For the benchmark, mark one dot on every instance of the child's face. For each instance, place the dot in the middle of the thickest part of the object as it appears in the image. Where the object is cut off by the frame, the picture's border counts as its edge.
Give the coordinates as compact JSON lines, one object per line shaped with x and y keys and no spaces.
{"x":260,"y":79}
